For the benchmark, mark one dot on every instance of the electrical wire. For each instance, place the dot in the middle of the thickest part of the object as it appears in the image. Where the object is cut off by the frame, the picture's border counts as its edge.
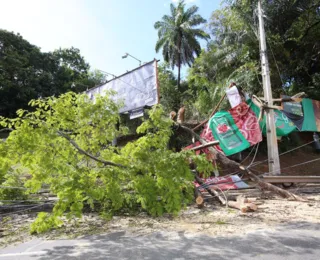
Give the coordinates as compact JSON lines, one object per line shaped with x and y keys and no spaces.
{"x":23,"y":210}
{"x":249,"y":154}
{"x":10,"y":206}
{"x":21,"y":201}
{"x":254,"y":157}
{"x":298,"y":164}
{"x":296,"y":148}
{"x":274,"y":58}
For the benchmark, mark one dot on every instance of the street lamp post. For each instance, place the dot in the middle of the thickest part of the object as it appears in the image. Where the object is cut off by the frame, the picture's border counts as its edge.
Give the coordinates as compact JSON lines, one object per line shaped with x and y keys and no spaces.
{"x":126,"y":56}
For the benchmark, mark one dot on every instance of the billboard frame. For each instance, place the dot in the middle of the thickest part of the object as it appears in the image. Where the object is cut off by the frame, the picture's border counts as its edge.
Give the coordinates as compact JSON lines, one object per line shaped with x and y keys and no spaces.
{"x":155,"y":61}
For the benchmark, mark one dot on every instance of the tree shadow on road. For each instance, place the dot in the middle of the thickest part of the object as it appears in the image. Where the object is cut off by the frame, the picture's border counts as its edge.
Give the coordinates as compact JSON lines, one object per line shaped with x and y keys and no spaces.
{"x":299,"y":240}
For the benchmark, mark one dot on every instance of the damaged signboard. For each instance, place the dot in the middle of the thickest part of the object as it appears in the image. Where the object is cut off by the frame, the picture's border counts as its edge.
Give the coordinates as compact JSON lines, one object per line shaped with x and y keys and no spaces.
{"x":135,"y":89}
{"x":232,"y":182}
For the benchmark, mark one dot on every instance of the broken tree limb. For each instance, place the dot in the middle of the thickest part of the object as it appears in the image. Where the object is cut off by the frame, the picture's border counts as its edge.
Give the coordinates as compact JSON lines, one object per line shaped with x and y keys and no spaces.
{"x":199,"y":198}
{"x":213,"y":112}
{"x":181,"y":113}
{"x":220,"y":157}
{"x":267,"y":186}
{"x":6,"y":130}
{"x":226,"y":161}
{"x":243,"y":204}
{"x":212,"y":192}
{"x":200,"y":201}
{"x":75,"y":145}
{"x":204,"y":146}
{"x":215,"y":109}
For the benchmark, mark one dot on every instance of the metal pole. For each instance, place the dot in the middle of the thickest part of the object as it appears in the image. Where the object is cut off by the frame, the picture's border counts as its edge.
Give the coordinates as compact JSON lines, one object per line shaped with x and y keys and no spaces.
{"x":273,"y":153}
{"x":134,"y":58}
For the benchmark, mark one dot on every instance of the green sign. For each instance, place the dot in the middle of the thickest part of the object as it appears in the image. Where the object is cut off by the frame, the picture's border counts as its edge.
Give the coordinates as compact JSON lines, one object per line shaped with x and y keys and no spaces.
{"x":311,"y":110}
{"x":294,"y":108}
{"x":284,"y":125}
{"x":225,"y":130}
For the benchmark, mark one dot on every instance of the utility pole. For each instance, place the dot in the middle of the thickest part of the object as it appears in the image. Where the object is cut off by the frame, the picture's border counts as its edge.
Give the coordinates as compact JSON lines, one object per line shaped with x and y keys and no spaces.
{"x":273,"y":153}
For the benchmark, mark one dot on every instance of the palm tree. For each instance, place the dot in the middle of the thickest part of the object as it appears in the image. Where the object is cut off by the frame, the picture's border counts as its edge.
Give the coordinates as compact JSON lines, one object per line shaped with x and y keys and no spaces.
{"x":177,"y":35}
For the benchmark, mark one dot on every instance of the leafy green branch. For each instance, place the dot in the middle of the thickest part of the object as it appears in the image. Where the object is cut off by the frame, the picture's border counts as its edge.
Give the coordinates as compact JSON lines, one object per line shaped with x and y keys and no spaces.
{"x":106,"y":163}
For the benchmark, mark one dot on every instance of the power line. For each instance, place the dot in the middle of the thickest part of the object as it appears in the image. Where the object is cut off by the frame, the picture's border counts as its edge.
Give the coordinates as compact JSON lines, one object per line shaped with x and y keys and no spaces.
{"x":296,"y":148}
{"x":299,"y":164}
{"x":23,"y":210}
{"x":274,"y":58}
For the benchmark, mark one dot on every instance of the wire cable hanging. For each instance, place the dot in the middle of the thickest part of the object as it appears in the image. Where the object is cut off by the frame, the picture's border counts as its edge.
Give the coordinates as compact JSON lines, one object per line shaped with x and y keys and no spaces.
{"x":299,"y":164}
{"x":296,"y":148}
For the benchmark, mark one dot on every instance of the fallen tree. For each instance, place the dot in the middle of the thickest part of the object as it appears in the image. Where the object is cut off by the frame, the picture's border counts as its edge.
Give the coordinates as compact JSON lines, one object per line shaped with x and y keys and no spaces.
{"x":65,"y":143}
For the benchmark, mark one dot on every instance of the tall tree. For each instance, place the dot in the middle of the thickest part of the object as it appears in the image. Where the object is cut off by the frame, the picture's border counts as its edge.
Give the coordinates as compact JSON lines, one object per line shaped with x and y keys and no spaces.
{"x":178,"y":35}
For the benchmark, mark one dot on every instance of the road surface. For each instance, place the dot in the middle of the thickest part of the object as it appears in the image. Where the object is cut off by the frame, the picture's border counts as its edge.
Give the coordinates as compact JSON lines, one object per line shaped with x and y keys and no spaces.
{"x":296,"y":241}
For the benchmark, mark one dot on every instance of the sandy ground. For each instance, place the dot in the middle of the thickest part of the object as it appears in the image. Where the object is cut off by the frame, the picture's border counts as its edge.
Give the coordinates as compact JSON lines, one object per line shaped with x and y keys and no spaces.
{"x":212,"y":220}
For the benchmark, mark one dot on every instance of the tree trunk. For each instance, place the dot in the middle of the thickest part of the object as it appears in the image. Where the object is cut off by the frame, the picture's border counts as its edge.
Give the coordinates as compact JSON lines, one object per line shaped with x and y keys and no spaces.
{"x":179,"y":62}
{"x":268,"y":186}
{"x":179,"y":68}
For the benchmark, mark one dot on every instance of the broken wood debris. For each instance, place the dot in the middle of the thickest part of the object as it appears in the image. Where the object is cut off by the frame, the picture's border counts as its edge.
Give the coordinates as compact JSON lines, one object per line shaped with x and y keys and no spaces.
{"x":204,"y":146}
{"x":244,"y":204}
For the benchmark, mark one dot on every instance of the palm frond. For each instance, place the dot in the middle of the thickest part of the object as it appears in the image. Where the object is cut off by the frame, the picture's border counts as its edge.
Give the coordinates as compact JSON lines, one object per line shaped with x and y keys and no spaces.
{"x":190,"y":12}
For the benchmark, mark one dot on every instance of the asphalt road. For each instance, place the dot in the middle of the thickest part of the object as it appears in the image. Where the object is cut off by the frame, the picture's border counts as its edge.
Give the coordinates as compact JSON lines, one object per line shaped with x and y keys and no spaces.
{"x":298,"y":241}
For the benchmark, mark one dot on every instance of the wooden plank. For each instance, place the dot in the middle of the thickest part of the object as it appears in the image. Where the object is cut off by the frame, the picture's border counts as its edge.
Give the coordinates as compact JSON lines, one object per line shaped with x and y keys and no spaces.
{"x":292,"y":179}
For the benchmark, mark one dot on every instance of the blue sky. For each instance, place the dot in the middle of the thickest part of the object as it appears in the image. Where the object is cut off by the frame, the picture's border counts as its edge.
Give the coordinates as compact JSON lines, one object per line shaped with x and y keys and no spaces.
{"x":103,"y":30}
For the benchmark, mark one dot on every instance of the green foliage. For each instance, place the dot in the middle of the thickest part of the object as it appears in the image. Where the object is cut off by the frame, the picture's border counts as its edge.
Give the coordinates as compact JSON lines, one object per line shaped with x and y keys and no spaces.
{"x":178,"y":35}
{"x":232,"y":56}
{"x":44,"y":222}
{"x":66,"y":144}
{"x":170,"y":95}
{"x":11,"y":179}
{"x":27,"y":73}
{"x":292,"y":29}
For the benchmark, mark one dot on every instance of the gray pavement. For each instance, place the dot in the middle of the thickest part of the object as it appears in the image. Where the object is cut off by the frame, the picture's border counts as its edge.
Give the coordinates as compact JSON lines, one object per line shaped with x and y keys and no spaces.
{"x":298,"y":241}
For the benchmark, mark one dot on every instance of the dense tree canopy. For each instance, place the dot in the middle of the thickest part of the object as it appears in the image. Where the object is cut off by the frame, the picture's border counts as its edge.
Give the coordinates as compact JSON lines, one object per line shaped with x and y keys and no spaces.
{"x":27,"y":73}
{"x":293,"y":31}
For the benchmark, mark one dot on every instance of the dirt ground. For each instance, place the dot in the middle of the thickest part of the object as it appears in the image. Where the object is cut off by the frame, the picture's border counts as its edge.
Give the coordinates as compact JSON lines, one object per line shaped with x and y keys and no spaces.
{"x":299,"y":162}
{"x":212,"y":220}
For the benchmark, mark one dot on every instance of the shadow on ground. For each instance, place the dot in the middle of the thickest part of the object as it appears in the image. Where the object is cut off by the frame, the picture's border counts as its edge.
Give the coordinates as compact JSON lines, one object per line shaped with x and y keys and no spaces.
{"x":295,"y":241}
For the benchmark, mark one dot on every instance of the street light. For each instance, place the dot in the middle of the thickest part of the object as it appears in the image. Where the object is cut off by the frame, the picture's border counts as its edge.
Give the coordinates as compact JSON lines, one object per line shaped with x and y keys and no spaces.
{"x":126,"y":56}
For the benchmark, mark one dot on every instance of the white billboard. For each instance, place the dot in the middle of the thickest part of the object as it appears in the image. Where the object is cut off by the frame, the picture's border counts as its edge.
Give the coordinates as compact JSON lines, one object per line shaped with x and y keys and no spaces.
{"x":137,"y":88}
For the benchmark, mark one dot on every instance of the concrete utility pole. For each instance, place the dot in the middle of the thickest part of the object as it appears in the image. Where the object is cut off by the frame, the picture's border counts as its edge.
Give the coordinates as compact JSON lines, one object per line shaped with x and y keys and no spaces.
{"x":273,"y":153}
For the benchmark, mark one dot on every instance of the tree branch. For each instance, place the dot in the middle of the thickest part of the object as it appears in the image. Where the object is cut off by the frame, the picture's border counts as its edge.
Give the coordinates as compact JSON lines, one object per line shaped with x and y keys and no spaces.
{"x":75,"y":145}
{"x":6,"y":130}
{"x":220,"y":157}
{"x":309,"y":28}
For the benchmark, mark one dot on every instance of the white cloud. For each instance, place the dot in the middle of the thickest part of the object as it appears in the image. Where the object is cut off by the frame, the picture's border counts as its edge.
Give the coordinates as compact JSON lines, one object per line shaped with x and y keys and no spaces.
{"x":59,"y":23}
